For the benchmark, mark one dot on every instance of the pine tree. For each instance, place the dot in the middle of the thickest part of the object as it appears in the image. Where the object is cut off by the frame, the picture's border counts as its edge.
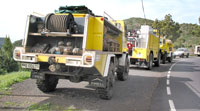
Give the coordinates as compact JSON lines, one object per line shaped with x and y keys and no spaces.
{"x":7,"y":62}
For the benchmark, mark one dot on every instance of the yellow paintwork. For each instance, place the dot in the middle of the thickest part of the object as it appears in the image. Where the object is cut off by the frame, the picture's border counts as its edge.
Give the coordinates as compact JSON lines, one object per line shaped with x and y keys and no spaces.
{"x":124,"y":37}
{"x":143,"y":53}
{"x":165,"y":46}
{"x":95,"y":34}
{"x":153,"y":45}
{"x":139,"y":53}
{"x":101,"y":63}
{"x":44,"y":58}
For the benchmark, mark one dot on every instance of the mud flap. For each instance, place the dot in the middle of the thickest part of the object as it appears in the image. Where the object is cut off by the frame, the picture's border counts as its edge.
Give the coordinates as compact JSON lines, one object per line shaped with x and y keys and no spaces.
{"x":98,"y":82}
{"x":36,"y":75}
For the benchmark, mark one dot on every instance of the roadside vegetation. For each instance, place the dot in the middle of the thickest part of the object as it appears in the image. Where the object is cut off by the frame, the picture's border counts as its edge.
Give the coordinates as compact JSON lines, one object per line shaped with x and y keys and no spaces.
{"x":8,"y":79}
{"x":7,"y":63}
{"x":50,"y":107}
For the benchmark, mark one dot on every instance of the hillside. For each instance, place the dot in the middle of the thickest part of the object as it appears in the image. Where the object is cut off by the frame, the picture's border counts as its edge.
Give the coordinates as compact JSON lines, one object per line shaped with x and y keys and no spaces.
{"x":135,"y":23}
{"x":190,"y":35}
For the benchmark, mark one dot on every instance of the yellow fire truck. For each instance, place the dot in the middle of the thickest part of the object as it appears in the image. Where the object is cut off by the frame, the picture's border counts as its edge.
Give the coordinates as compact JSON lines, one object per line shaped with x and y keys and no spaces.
{"x":166,"y":47}
{"x":77,"y":45}
{"x":146,"y":49}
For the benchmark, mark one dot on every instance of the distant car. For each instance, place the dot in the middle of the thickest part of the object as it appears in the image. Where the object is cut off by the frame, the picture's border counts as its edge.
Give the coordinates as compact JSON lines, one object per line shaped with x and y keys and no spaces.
{"x":181,"y":52}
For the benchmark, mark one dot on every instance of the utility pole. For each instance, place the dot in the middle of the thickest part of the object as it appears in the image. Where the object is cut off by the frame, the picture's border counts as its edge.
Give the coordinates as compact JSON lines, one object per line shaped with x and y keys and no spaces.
{"x":199,"y":20}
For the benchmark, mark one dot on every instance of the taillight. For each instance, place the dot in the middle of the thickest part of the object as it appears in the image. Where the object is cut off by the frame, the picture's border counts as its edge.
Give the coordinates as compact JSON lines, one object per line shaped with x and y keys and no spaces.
{"x":88,"y":58}
{"x":17,"y":54}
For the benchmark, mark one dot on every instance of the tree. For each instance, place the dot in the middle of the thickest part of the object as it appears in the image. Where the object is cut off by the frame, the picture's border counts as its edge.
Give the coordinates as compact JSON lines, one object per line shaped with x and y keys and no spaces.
{"x":7,"y":62}
{"x":17,"y":43}
{"x":167,"y":27}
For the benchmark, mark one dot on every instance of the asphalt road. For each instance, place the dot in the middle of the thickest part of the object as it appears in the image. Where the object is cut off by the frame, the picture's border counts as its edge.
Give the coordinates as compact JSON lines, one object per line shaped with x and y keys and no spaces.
{"x":144,"y":91}
{"x":179,"y":88}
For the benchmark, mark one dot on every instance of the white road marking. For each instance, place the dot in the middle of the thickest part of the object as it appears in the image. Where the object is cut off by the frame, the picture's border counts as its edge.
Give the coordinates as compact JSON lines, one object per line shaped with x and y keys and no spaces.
{"x":168,"y":82}
{"x":171,"y":102}
{"x":168,"y":76}
{"x":193,"y":89}
{"x":168,"y":91}
{"x":171,"y":105}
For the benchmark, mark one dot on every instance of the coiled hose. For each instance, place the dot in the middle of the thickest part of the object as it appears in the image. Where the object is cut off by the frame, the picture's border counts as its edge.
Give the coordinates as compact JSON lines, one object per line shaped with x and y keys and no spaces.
{"x":59,"y":23}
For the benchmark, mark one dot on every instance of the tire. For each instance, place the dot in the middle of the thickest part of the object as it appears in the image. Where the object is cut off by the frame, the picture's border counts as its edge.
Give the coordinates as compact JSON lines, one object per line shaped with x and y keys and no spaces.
{"x":150,"y":63}
{"x":187,"y":56}
{"x":182,"y":56}
{"x":157,"y":63}
{"x":174,"y":57}
{"x":164,"y":58}
{"x":122,"y":76}
{"x":47,"y":85}
{"x":170,"y":59}
{"x":107,"y":92}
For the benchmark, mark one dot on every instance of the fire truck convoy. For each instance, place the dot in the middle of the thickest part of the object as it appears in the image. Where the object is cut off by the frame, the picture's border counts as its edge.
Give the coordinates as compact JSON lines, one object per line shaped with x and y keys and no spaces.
{"x":77,"y":45}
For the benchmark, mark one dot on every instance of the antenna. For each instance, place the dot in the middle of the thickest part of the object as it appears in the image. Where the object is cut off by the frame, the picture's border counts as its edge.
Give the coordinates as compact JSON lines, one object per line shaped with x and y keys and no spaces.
{"x":143,"y":12}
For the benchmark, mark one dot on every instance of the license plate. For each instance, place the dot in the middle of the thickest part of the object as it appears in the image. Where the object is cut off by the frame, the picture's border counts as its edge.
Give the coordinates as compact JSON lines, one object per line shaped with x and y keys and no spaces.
{"x":30,"y":66}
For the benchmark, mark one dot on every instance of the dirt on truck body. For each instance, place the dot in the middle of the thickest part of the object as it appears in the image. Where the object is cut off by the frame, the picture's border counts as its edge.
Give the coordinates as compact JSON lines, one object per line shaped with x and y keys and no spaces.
{"x":77,"y":45}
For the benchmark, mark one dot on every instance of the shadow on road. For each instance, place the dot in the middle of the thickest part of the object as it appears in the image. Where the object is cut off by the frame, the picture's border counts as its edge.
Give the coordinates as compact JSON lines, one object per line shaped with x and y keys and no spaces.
{"x":135,"y":94}
{"x":131,"y":95}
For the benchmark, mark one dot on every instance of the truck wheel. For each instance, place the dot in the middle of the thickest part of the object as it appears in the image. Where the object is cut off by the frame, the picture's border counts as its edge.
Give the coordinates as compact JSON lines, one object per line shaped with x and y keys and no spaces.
{"x":182,"y":56}
{"x":150,"y":63}
{"x":164,"y":58}
{"x":170,"y":59}
{"x":47,"y":85}
{"x":187,"y":56}
{"x":157,"y":63}
{"x":122,"y":76}
{"x":107,"y":92}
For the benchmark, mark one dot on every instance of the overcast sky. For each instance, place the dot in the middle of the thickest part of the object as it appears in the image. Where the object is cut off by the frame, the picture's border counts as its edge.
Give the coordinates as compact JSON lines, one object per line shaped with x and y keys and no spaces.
{"x":14,"y":12}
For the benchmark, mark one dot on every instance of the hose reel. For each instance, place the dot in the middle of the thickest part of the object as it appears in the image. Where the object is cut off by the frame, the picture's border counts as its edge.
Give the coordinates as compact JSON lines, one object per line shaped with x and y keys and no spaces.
{"x":60,"y":23}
